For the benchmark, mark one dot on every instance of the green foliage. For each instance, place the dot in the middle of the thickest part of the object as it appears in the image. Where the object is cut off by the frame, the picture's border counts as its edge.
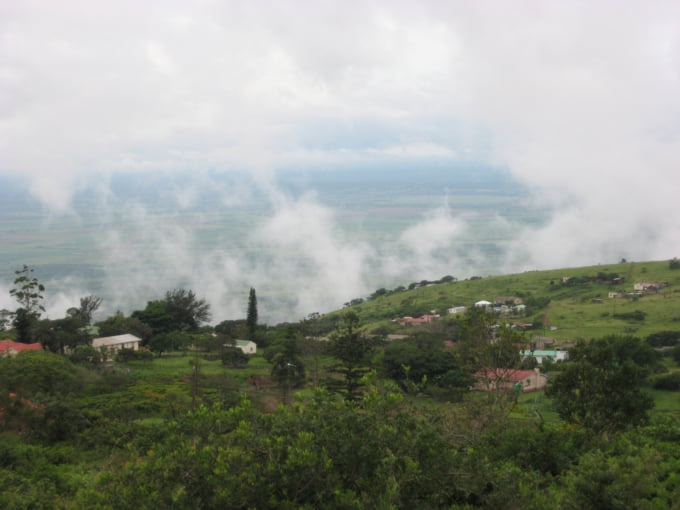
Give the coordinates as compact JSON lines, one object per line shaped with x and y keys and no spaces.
{"x":670,"y":382}
{"x":181,"y":310}
{"x":634,"y":316}
{"x":352,"y":350}
{"x":86,"y":355}
{"x":234,"y":357}
{"x":600,"y":386}
{"x":328,"y":454}
{"x":88,"y":305}
{"x":28,"y":291}
{"x":39,"y":372}
{"x":251,"y":317}
{"x":423,"y":361}
{"x":624,"y":479}
{"x":128,"y":355}
{"x":674,"y":263}
{"x":168,"y":342}
{"x":663,"y":339}
{"x":118,"y":324}
{"x":288,"y":369}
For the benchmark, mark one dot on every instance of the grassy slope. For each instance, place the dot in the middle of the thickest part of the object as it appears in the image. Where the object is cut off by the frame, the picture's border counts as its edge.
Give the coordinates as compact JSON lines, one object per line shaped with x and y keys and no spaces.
{"x":571,"y":309}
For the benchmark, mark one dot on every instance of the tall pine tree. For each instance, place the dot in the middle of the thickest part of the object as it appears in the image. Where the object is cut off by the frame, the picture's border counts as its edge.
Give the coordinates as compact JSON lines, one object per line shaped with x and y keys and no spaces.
{"x":251,"y":319}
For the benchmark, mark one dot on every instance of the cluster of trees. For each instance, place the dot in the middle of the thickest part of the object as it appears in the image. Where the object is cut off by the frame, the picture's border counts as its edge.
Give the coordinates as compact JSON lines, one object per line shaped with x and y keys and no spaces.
{"x":176,"y":321}
{"x":367,"y":423}
{"x":375,"y":448}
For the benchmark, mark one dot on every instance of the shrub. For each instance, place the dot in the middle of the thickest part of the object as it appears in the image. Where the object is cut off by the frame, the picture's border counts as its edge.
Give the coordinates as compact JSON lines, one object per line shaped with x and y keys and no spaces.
{"x":670,"y":382}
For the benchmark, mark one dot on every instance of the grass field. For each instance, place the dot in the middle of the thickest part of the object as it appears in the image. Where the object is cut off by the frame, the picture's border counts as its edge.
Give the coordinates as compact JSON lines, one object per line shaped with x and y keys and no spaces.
{"x":576,"y":310}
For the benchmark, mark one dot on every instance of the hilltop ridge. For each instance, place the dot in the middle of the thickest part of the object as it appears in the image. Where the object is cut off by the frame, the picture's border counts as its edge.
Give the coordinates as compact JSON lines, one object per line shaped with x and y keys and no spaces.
{"x":637,"y":298}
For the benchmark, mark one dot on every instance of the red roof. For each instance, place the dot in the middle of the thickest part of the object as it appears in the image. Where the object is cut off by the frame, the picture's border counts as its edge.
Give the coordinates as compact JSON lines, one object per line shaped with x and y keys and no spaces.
{"x":508,"y":374}
{"x":7,"y":346}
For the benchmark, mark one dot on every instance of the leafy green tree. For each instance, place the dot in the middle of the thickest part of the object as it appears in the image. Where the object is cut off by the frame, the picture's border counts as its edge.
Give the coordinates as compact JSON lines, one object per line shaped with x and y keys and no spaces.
{"x":39,"y":372}
{"x":167,"y":342}
{"x":234,"y":357}
{"x":288,"y":369}
{"x":118,"y":324}
{"x":327,"y":454}
{"x":28,"y":292}
{"x":420,"y":362}
{"x":181,"y":310}
{"x":600,"y":387}
{"x":351,"y":350}
{"x":251,"y":317}
{"x":188,"y":311}
{"x":86,"y":355}
{"x":88,"y":306}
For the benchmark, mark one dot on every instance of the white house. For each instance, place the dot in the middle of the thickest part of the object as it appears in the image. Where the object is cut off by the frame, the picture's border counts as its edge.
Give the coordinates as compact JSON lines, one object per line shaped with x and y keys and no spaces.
{"x":483,"y":304}
{"x":118,"y":342}
{"x":247,"y":346}
{"x":457,"y":309}
{"x":540,"y":355}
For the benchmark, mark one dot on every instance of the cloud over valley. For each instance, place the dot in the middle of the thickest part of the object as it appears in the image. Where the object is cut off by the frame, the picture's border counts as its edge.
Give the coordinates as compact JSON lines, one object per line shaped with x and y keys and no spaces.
{"x":316,"y":151}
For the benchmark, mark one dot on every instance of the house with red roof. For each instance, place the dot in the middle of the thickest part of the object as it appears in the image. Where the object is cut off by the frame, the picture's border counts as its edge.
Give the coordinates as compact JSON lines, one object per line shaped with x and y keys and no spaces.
{"x":12,"y":348}
{"x":418,"y":321}
{"x":492,"y":379}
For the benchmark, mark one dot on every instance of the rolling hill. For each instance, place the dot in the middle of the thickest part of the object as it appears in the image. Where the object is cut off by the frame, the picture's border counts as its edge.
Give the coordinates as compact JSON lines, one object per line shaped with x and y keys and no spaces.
{"x":566,"y":304}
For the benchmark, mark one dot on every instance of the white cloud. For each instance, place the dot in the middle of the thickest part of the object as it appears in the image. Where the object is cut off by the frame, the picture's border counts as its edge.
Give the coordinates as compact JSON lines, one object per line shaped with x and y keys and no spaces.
{"x":578,"y":99}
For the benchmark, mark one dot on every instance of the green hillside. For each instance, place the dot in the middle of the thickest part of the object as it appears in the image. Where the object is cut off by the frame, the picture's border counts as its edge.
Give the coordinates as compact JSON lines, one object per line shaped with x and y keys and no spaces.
{"x":578,"y":302}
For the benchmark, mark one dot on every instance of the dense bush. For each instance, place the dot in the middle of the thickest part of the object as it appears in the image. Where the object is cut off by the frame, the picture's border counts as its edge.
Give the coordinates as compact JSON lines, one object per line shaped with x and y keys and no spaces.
{"x":663,"y":339}
{"x":669,"y":382}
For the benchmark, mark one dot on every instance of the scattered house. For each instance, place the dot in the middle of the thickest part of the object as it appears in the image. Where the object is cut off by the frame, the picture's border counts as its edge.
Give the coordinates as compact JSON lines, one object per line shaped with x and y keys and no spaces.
{"x":597,"y":301}
{"x":492,"y":379}
{"x":521,"y":326}
{"x":418,"y":321}
{"x":615,"y":295}
{"x":648,"y":286}
{"x":502,"y":310}
{"x":117,"y":342}
{"x":12,"y":348}
{"x":483,"y":304}
{"x":247,"y":346}
{"x":520,"y":308}
{"x":542,"y":342}
{"x":540,"y":355}
{"x":457,"y":310}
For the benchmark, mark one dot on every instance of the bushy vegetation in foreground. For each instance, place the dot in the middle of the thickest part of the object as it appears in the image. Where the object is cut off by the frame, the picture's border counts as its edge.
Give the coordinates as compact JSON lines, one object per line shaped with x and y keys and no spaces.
{"x":350,"y":421}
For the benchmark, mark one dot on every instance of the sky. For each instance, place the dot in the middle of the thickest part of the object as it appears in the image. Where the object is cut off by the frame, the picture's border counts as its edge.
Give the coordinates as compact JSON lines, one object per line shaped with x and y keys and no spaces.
{"x":578,"y":100}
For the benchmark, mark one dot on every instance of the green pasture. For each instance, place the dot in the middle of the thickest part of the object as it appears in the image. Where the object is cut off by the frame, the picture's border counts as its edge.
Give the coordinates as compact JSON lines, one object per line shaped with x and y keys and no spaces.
{"x":577,"y":310}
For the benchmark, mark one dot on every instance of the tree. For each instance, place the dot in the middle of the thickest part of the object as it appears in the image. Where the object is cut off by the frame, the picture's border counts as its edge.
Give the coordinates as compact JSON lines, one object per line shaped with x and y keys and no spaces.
{"x":29,"y":294}
{"x":181,"y":310}
{"x":251,"y":318}
{"x":600,"y":387}
{"x":422,"y":361}
{"x":118,"y":324}
{"x":288,"y":370}
{"x":171,"y":341}
{"x":88,"y":305}
{"x":234,"y":357}
{"x":352,"y":350}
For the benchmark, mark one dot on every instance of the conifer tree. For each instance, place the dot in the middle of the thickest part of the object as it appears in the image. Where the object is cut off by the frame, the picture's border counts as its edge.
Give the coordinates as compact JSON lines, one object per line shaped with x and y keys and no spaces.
{"x":251,"y":318}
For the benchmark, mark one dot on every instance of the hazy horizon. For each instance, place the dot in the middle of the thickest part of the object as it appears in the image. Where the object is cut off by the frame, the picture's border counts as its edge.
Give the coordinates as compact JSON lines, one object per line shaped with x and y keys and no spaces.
{"x":307,"y":243}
